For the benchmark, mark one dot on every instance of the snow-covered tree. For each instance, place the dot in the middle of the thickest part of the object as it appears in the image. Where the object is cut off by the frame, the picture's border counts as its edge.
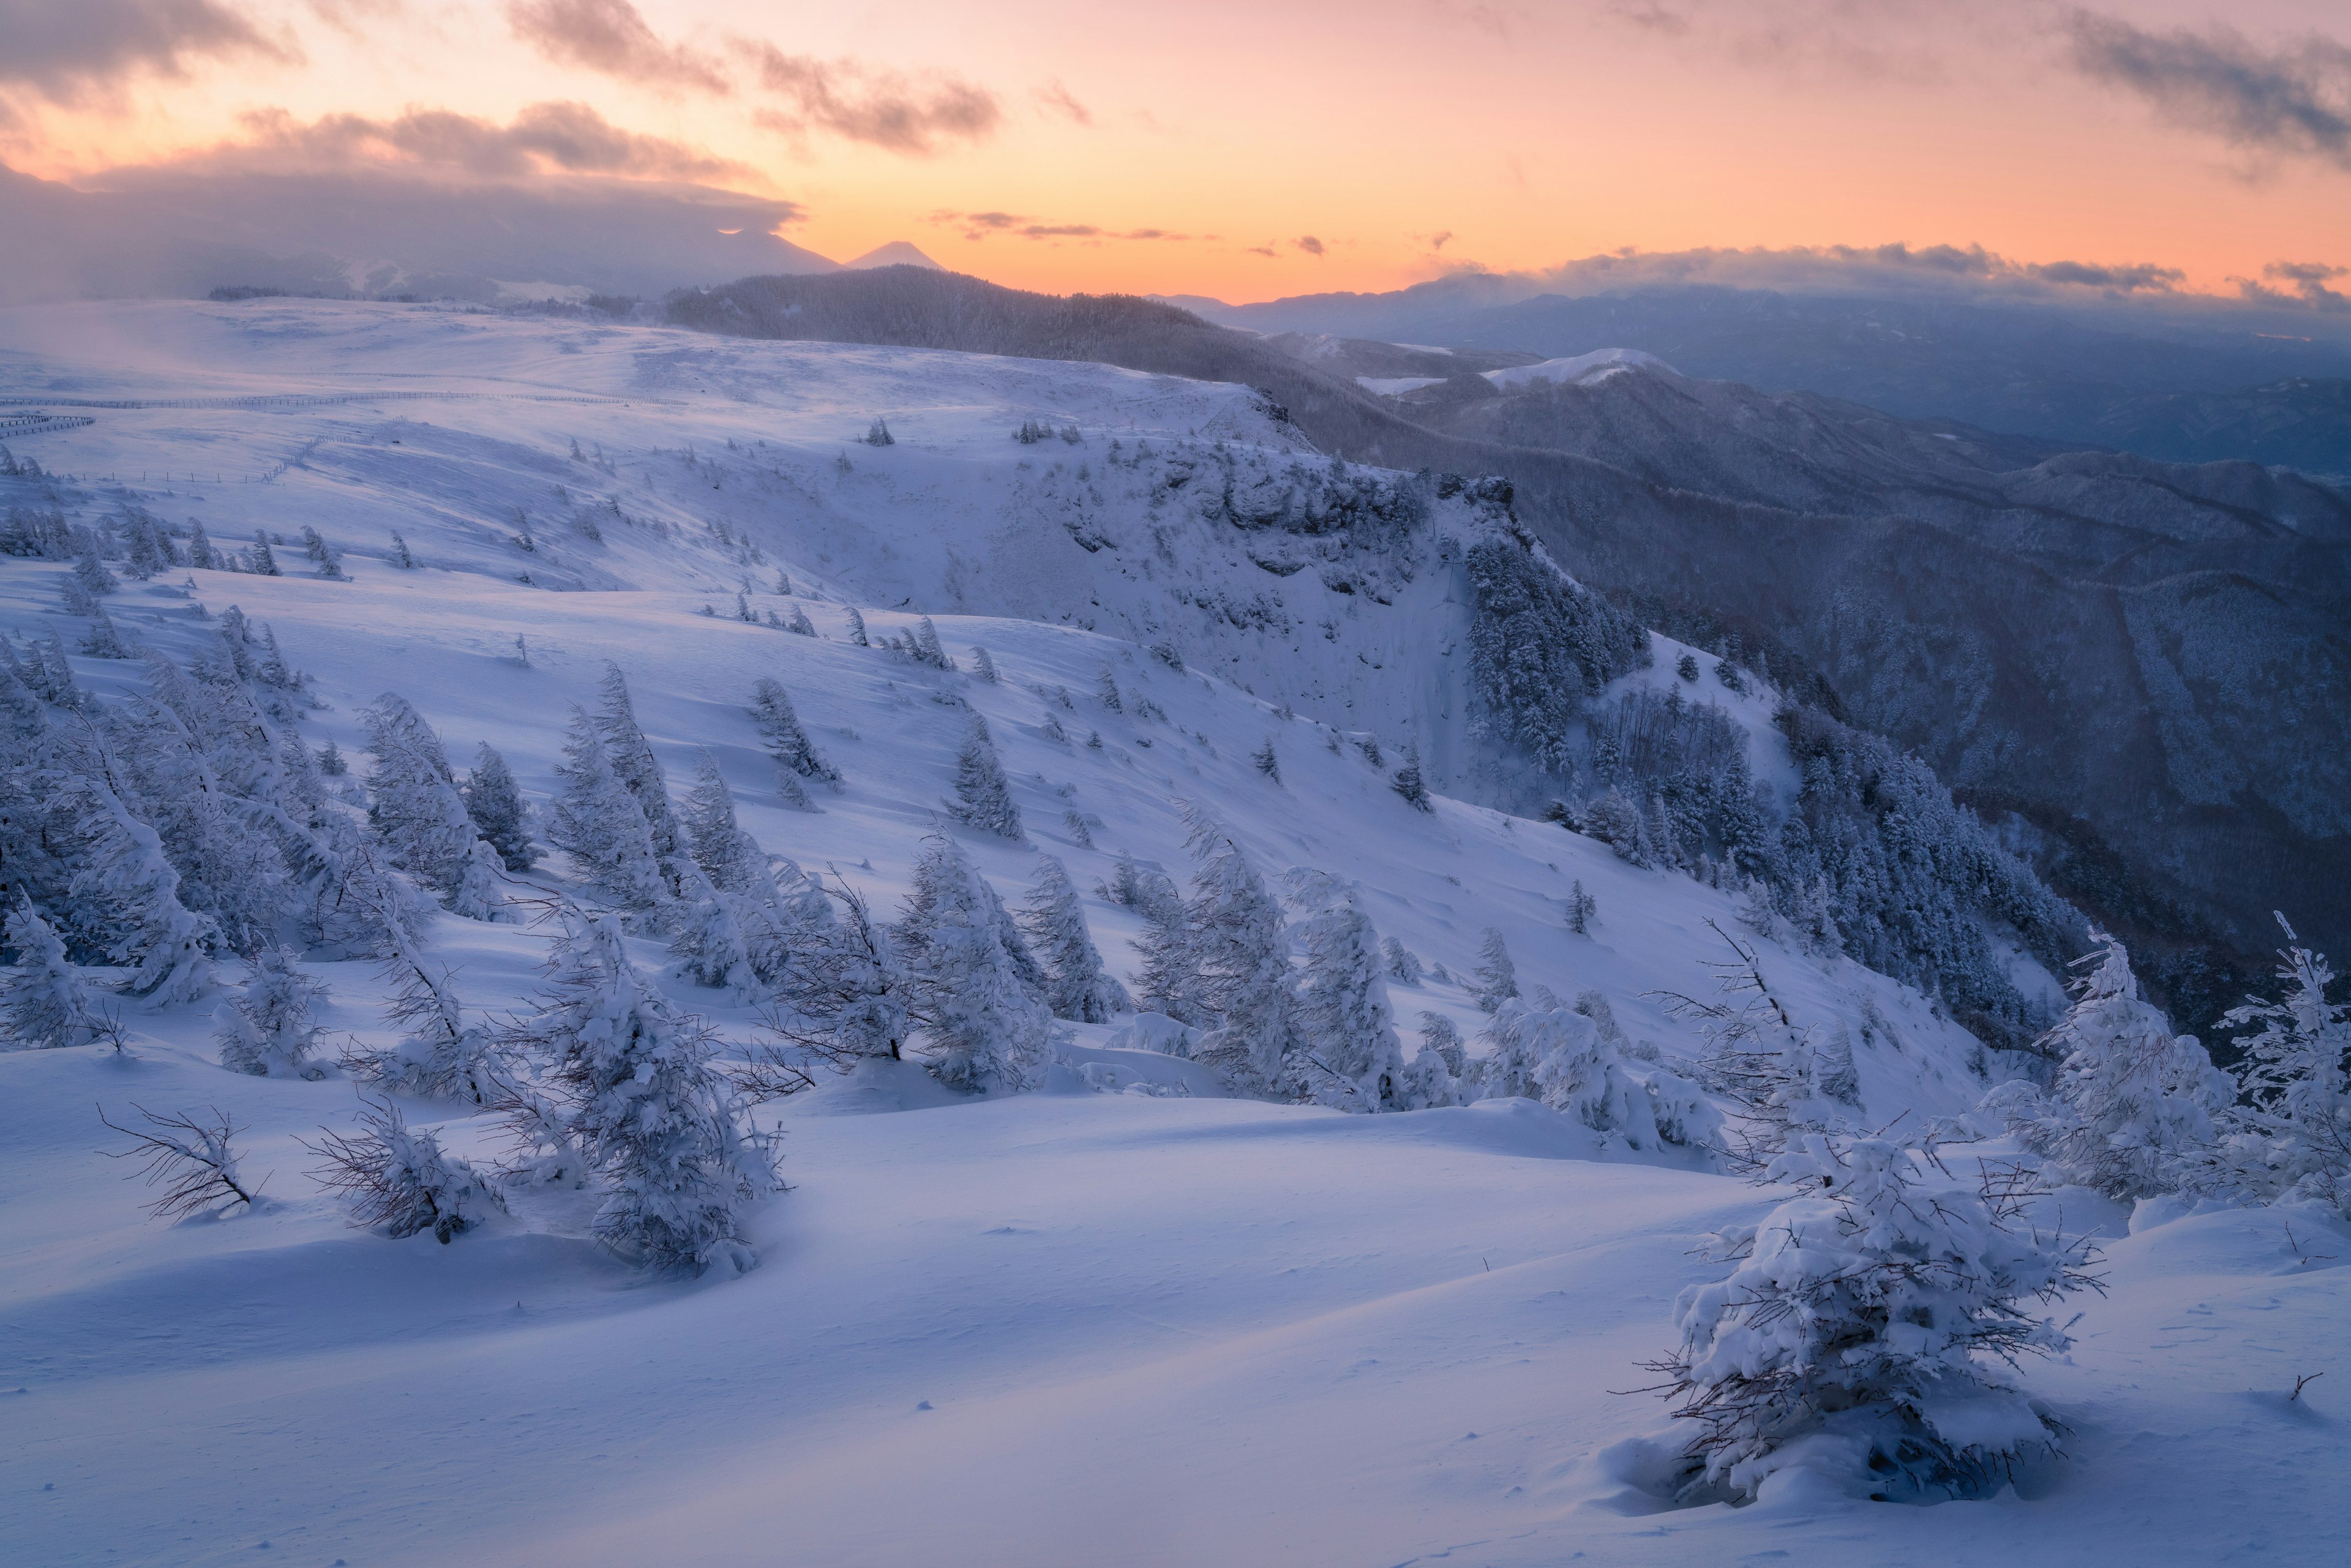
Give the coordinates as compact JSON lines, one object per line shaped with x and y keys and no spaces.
{"x":1496,"y":979}
{"x":441,"y":1053}
{"x":1556,"y":1055}
{"x":1347,"y":1028}
{"x":127,"y":881}
{"x":983,"y":794}
{"x":46,"y":1005}
{"x":1581,"y":910}
{"x":986,"y":1021}
{"x":1869,"y":1326}
{"x":398,"y":1178}
{"x":262,"y":559}
{"x":983,"y":666}
{"x":857,"y":633}
{"x":1407,"y":783}
{"x":500,"y":815}
{"x":1077,"y":987}
{"x":927,"y":648}
{"x":267,"y":1030}
{"x":2131,"y":1098}
{"x":414,"y":805}
{"x":1106,"y":688}
{"x":331,"y":761}
{"x":1235,"y":953}
{"x":631,"y":1085}
{"x":2289,"y":1136}
{"x":788,"y":740}
{"x":92,"y":573}
{"x":1267,"y":761}
{"x":633,"y":763}
{"x":597,"y":822}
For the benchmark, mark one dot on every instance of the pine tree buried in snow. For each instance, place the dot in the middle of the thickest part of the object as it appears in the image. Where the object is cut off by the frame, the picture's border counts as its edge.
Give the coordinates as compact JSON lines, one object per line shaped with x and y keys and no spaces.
{"x":1407,"y":783}
{"x":416,"y":807}
{"x":1869,"y":1325}
{"x":269,"y":1031}
{"x":1267,"y":762}
{"x":1235,"y":960}
{"x":2291,"y":1136}
{"x":1402,"y":964}
{"x":631,"y":1085}
{"x":1582,"y":909}
{"x":441,"y":1053}
{"x":399,"y":1180}
{"x":983,"y":794}
{"x":634,"y":764}
{"x":927,"y":649}
{"x":983,"y":666}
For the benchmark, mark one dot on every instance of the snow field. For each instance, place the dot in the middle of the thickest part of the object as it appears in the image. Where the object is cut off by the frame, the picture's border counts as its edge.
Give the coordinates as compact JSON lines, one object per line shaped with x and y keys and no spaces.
{"x":1149,"y":1327}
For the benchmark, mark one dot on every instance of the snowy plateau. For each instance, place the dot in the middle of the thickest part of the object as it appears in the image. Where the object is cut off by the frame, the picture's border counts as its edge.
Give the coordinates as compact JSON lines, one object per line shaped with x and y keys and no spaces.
{"x":1097,"y":1306}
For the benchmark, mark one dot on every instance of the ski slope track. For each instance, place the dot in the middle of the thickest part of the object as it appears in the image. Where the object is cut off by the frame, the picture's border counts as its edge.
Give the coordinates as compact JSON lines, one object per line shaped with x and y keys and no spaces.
{"x":1126,"y":1319}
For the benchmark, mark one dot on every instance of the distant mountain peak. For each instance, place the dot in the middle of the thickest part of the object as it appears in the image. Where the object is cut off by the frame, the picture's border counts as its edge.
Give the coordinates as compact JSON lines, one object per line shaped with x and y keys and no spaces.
{"x":897,"y":253}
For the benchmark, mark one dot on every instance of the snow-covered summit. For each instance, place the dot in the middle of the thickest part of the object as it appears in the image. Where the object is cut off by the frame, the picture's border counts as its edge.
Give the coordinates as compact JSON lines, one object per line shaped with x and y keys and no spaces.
{"x":1576,"y":370}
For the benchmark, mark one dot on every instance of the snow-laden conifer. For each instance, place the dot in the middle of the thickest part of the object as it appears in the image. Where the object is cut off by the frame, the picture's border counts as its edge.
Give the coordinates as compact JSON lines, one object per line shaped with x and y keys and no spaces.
{"x":1352,"y":1059}
{"x":633,"y":763}
{"x":1869,"y":1327}
{"x":1556,"y":1055}
{"x":127,"y":881}
{"x":597,"y":820}
{"x":414,"y":806}
{"x":983,"y":794}
{"x":1402,"y":964}
{"x":1407,"y":783}
{"x":857,"y":634}
{"x":2290,"y":1135}
{"x":47,"y":1005}
{"x":1106,"y":689}
{"x":986,"y":1025}
{"x":1582,"y":909}
{"x":788,"y":740}
{"x":1236,"y":958}
{"x":2131,"y":1099}
{"x":494,"y":801}
{"x":631,"y":1085}
{"x":1268,"y":762}
{"x":927,"y":648}
{"x":441,"y":1052}
{"x":1495,"y":980}
{"x":268,"y":1029}
{"x":399,"y":1180}
{"x":983,"y":666}
{"x":1077,"y":986}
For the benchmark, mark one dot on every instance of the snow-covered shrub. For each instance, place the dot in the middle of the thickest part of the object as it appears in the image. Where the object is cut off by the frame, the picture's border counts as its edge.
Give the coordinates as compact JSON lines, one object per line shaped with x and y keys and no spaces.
{"x":190,"y":1159}
{"x":1350,"y":1058}
{"x":628,"y":1083}
{"x":1556,"y":1056}
{"x":1869,"y":1326}
{"x":1402,"y":964}
{"x":399,"y":1180}
{"x":983,"y":794}
{"x":1407,"y":783}
{"x":2131,"y":1099}
{"x":267,"y":1030}
{"x":986,"y":1022}
{"x":46,"y":1005}
{"x":1078,"y":987}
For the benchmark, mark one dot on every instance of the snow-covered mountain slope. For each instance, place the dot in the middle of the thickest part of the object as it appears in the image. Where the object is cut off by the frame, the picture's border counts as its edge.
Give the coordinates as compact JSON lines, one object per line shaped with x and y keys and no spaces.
{"x":1155,"y":1325}
{"x":1576,"y":370}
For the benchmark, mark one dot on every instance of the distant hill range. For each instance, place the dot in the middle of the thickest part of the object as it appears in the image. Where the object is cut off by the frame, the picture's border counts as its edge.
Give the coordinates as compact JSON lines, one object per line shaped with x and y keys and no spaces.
{"x":2142,"y":668}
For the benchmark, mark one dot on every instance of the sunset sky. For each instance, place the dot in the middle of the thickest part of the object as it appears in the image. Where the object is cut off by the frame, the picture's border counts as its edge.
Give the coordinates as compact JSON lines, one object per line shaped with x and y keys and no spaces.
{"x":1251,"y":150}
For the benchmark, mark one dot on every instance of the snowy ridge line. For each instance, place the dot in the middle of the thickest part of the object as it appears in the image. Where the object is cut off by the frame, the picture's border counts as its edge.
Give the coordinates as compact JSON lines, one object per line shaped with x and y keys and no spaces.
{"x":300,"y":400}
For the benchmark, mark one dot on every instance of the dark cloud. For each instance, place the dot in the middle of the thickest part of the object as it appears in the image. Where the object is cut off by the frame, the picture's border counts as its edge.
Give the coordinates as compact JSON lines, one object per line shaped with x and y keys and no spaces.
{"x":882,"y":109}
{"x":1309,"y":244}
{"x":61,"y":49}
{"x":567,"y":137}
{"x":1053,"y":96}
{"x":2090,"y":275}
{"x":610,"y":37}
{"x":2305,"y":287}
{"x":979,"y":225}
{"x":1265,"y":250}
{"x":2295,"y":100}
{"x":1438,"y":240}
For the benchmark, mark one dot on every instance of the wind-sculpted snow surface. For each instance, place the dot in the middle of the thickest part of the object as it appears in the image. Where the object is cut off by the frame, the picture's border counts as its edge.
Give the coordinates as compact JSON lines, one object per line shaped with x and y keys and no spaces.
{"x":1039,"y":1290}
